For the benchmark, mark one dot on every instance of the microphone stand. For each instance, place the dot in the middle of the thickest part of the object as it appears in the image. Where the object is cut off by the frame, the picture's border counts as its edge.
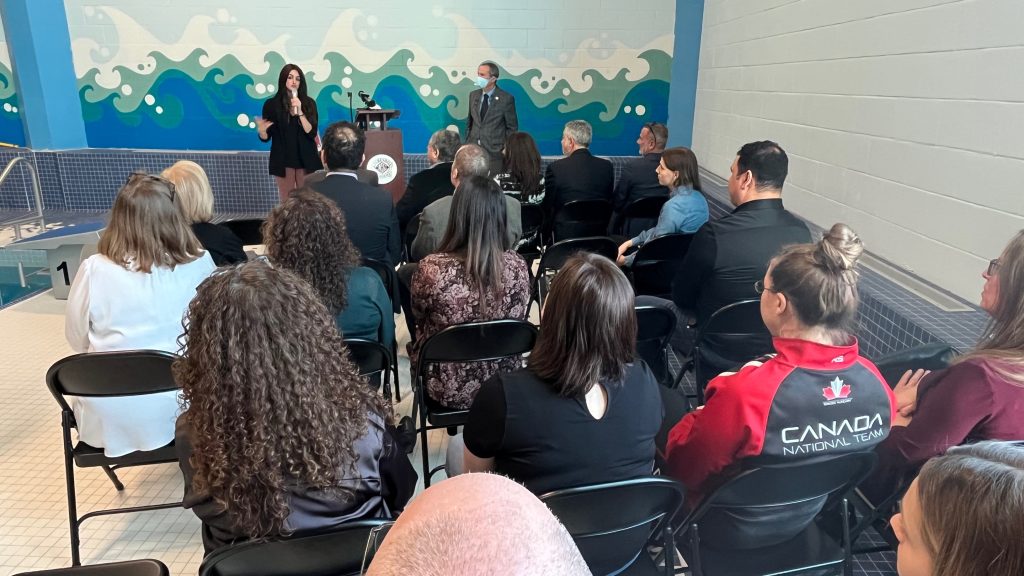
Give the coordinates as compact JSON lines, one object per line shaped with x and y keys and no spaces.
{"x":351,"y":116}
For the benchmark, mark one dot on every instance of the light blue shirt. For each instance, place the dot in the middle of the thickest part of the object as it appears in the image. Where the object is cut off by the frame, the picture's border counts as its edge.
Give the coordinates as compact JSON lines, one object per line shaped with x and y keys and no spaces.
{"x":684,"y":213}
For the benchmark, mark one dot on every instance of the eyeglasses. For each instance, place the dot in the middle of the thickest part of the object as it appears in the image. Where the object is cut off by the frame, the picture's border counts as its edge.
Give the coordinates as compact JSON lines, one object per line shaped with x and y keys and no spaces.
{"x":759,"y":287}
{"x":139,"y":174}
{"x":993,"y":267}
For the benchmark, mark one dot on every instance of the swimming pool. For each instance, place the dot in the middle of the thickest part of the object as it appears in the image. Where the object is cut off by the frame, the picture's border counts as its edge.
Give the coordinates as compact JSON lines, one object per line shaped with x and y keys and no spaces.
{"x":37,"y":275}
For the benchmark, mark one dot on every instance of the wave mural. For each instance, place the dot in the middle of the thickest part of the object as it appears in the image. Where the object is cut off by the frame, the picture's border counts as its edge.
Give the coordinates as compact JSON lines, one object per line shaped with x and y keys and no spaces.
{"x":12,"y":131}
{"x":198,"y":93}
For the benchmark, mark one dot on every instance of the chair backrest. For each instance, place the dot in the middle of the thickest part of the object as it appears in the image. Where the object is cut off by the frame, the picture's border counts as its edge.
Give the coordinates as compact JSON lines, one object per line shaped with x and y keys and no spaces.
{"x":335,"y":553}
{"x":934,"y":356}
{"x":582,"y":218}
{"x":612,"y":523}
{"x":647,"y":207}
{"x":770,"y":495}
{"x":532,"y":218}
{"x":654,"y":328}
{"x":479,"y":341}
{"x":248,"y":230}
{"x":556,"y":255}
{"x":124,"y":373}
{"x":388,"y":276}
{"x":734,"y":334}
{"x":371,"y":357}
{"x":656,"y":263}
{"x":127,"y":568}
{"x":411,"y":229}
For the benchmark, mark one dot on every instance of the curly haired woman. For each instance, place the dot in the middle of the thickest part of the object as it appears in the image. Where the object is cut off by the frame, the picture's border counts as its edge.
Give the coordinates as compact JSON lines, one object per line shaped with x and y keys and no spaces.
{"x":307,"y":235}
{"x":281,"y":433}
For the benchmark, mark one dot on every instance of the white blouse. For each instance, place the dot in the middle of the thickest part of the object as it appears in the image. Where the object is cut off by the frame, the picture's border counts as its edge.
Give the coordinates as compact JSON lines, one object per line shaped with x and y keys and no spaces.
{"x":112,"y":308}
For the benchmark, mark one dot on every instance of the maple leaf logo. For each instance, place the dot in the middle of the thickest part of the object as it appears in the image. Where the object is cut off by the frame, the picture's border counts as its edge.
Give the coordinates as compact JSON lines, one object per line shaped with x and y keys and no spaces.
{"x":836,"y":390}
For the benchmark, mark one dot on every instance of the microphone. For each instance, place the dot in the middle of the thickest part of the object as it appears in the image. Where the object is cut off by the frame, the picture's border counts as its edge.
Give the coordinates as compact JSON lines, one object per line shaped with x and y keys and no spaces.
{"x":367,"y":101}
{"x":295,"y":109}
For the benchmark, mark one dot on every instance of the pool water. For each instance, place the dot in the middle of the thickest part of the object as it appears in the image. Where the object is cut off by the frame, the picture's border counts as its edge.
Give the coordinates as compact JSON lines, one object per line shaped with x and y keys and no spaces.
{"x":37,"y":280}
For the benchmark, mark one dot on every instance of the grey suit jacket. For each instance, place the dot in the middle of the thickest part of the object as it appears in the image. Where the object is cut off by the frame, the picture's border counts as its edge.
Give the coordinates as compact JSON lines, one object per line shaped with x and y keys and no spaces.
{"x":501,"y":120}
{"x":434,"y":223}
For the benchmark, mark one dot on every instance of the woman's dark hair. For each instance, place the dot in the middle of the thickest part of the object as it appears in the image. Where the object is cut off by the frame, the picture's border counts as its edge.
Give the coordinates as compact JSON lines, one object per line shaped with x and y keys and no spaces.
{"x":271,"y":400}
{"x":307,"y":235}
{"x":522,"y":163}
{"x":478,"y":233}
{"x":587,"y":329}
{"x":820,"y":280}
{"x":683,"y":161}
{"x":972,"y":504}
{"x":283,"y":97}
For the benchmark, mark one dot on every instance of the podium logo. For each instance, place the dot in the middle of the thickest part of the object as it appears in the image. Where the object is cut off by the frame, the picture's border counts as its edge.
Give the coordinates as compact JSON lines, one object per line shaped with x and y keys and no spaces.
{"x":385,"y":167}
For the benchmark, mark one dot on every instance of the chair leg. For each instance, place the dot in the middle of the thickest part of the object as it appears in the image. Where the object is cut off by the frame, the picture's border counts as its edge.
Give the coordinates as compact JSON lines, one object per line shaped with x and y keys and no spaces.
{"x":426,"y":457}
{"x":847,"y":544}
{"x":113,"y":478}
{"x":69,"y":473}
{"x":394,"y":369}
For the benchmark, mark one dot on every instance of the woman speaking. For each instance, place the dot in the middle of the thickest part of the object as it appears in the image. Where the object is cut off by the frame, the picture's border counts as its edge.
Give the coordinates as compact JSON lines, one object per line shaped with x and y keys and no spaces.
{"x":289,"y":123}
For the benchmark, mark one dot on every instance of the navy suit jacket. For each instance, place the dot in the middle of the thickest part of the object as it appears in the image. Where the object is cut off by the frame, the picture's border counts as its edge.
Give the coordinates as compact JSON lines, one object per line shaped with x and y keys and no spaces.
{"x":369,"y":215}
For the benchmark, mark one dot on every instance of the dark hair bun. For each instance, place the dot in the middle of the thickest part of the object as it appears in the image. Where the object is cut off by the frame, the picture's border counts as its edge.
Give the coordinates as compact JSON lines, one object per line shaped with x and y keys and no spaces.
{"x":840,"y":248}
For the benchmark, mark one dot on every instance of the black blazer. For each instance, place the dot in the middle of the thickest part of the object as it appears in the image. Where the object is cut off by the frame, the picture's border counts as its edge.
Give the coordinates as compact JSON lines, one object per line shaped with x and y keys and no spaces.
{"x":424,"y":188}
{"x":369,"y":215}
{"x":287,"y":133}
{"x":639,"y":179}
{"x":578,"y":176}
{"x":222,"y":244}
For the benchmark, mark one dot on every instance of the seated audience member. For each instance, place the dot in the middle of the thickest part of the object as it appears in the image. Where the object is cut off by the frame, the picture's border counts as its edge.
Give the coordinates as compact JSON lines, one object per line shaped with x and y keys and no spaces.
{"x":280,"y":432}
{"x":585,"y":410}
{"x":772,"y":409}
{"x":729,"y":254}
{"x":131,"y":296}
{"x":433,"y":183}
{"x":521,"y":176}
{"x":372,"y":223}
{"x":638,"y":178}
{"x":686,"y":210}
{"x":470,"y":161}
{"x":979,"y":397}
{"x":307,"y":235}
{"x":478,"y":524}
{"x":475,"y":276}
{"x":962,"y":515}
{"x":194,"y":198}
{"x":578,"y":176}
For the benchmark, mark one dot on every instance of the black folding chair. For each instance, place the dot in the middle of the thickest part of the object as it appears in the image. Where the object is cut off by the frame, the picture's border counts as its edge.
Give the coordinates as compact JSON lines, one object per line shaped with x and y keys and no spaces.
{"x":463,"y":343}
{"x":373,"y":360}
{"x":581,"y":219}
{"x":654,"y":329}
{"x":248,"y":230}
{"x":390,"y":279}
{"x":656,"y":263}
{"x":99,"y":375}
{"x":773,"y":501}
{"x":613,"y":523}
{"x":533,"y":222}
{"x":129,"y":568}
{"x":641,"y":214}
{"x":734,"y":334}
{"x":555,"y":256}
{"x":933,"y":356}
{"x":411,"y":229}
{"x":339,"y":552}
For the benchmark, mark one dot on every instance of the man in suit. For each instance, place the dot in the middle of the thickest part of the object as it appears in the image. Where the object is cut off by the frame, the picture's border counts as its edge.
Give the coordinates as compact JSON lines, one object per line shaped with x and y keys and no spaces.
{"x":369,"y":214}
{"x":578,"y":176}
{"x":364,"y":175}
{"x":431,"y":184}
{"x":639,"y":178}
{"x":492,"y":114}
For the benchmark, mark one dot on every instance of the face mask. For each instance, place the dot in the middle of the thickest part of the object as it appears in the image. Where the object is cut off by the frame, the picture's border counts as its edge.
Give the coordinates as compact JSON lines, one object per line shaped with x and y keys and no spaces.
{"x":480,"y":82}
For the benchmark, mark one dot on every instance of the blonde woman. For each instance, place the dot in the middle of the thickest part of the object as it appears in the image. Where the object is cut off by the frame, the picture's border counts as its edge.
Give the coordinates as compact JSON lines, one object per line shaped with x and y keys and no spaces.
{"x":979,"y":397}
{"x":194,"y":198}
{"x":131,"y":296}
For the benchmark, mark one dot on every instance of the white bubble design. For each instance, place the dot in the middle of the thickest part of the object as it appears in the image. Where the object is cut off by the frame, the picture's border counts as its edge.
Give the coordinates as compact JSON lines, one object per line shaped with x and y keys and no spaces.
{"x":436,"y":92}
{"x":252,"y":124}
{"x":7,"y":106}
{"x":348,"y":69}
{"x":260,"y":88}
{"x":566,"y":92}
{"x":425,"y":90}
{"x":243,"y":119}
{"x":159,"y":109}
{"x":627,"y":109}
{"x":223,"y":16}
{"x":641,"y":109}
{"x":126,"y":90}
{"x":346,"y":82}
{"x":149,"y":99}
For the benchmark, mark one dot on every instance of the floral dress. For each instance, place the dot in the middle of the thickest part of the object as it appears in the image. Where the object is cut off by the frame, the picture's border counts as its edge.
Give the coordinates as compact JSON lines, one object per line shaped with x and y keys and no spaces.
{"x":442,"y":297}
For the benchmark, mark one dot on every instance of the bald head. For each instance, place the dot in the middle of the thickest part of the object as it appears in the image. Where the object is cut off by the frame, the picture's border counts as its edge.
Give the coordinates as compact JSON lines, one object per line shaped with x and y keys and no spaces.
{"x":478,"y":524}
{"x":470,"y":160}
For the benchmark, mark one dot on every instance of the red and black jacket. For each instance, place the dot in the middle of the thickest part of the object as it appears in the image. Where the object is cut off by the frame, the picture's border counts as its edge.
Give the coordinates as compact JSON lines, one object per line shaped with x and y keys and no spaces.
{"x":808,"y":400}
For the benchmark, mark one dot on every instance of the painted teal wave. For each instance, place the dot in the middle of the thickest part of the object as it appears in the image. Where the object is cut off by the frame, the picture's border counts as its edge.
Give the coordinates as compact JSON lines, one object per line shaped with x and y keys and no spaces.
{"x":199,"y":105}
{"x":12,"y":130}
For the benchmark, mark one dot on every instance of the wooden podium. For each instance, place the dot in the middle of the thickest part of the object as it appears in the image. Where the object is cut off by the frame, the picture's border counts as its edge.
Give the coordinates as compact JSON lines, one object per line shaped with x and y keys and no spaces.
{"x":383,"y":149}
